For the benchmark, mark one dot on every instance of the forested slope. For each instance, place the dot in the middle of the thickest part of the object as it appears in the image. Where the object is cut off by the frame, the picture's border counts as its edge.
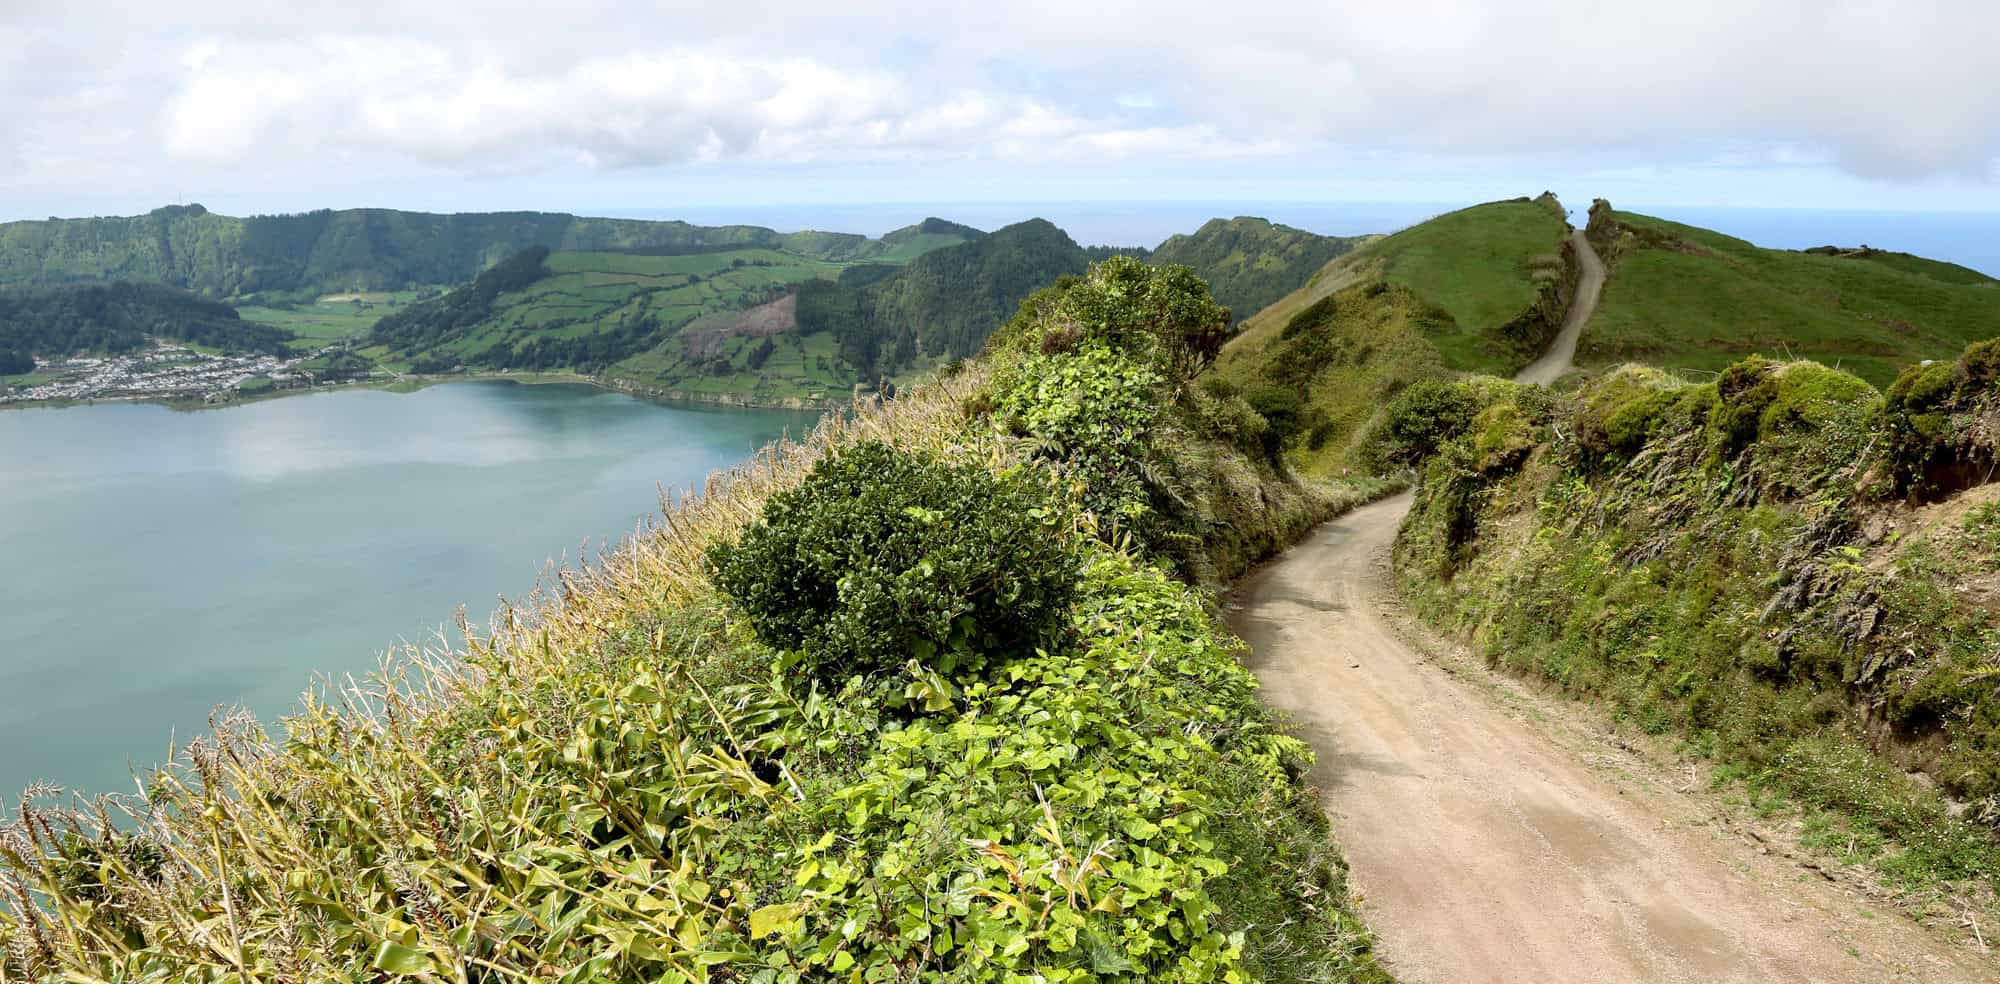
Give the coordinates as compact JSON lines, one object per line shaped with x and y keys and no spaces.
{"x":54,"y":322}
{"x":1250,"y":262}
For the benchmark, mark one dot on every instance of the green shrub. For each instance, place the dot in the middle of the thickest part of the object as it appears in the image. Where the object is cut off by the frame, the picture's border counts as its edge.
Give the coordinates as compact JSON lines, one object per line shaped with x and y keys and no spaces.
{"x":1092,"y":412}
{"x":1423,"y":417}
{"x":1284,"y":409}
{"x":880,"y":556}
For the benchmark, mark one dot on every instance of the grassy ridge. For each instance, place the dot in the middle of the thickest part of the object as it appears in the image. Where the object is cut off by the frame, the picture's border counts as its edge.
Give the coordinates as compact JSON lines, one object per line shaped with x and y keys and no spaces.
{"x":1485,"y":266}
{"x":302,"y":257}
{"x":622,"y":781}
{"x":1684,"y":297}
{"x":1478,"y":289}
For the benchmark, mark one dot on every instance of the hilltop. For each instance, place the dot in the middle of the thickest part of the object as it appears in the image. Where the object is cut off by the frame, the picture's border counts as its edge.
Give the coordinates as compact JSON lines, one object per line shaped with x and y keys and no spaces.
{"x":1482,"y":289}
{"x":1682,"y":297}
{"x":1250,"y":262}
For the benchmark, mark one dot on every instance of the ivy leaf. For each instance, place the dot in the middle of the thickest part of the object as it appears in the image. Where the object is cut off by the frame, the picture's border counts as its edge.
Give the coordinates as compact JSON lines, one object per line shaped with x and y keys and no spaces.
{"x":775,"y":918}
{"x":402,"y":961}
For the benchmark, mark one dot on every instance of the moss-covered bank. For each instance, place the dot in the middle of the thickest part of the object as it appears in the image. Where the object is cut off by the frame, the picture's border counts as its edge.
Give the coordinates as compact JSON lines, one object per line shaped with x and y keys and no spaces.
{"x":1793,"y":571}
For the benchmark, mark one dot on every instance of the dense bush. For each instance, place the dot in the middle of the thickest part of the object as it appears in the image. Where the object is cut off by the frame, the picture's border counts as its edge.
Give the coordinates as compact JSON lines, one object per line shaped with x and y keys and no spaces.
{"x":13,"y":363}
{"x":880,"y":556}
{"x":1092,"y":411}
{"x":1421,"y":419}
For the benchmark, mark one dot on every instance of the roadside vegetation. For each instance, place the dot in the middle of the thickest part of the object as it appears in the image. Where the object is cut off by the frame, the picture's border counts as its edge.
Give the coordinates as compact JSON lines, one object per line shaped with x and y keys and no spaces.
{"x":926,"y":697}
{"x":1789,"y":569}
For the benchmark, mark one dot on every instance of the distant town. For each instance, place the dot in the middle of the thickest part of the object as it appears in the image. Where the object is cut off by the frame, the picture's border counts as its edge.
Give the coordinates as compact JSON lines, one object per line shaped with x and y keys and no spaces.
{"x":177,"y":373}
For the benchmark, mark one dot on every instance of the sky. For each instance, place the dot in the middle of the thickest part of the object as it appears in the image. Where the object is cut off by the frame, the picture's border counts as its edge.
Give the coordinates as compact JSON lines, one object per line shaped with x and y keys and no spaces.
{"x":114,"y":107}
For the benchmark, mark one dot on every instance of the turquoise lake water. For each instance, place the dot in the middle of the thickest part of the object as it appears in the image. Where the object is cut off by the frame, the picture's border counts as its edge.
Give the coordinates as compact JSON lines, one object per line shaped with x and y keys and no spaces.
{"x":156,"y":563}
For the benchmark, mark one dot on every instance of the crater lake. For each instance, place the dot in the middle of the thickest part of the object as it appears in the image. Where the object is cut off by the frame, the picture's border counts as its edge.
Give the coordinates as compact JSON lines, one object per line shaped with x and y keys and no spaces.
{"x":156,"y":563}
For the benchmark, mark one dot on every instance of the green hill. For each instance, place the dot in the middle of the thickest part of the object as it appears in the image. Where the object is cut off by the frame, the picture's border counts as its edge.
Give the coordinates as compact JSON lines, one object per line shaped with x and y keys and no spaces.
{"x":1480,"y":289}
{"x":944,"y":304}
{"x":304,"y":256}
{"x":1250,"y":262}
{"x":862,"y":324}
{"x":1688,"y":298}
{"x":51,"y":322}
{"x":583,"y":310}
{"x":758,"y":324}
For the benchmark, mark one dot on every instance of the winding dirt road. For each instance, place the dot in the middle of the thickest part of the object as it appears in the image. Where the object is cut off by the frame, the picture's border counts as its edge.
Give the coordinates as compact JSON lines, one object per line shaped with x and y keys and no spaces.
{"x":1495,"y":836}
{"x":1589,"y":286}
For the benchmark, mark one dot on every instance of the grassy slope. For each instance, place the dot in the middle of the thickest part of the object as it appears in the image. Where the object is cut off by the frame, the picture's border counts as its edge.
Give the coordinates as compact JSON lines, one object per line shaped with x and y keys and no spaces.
{"x":1457,"y":280}
{"x":1683,"y":297}
{"x":1482,"y":265}
{"x":587,"y":294}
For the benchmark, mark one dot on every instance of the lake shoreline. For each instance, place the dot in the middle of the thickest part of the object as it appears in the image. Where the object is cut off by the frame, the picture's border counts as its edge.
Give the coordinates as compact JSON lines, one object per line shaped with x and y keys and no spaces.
{"x":413,"y":382}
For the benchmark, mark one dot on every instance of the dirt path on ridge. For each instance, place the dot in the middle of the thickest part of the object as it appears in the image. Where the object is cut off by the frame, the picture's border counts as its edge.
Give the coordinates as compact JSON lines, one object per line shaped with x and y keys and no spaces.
{"x":1589,"y":286}
{"x":1496,"y":838}
{"x":1493,"y":838}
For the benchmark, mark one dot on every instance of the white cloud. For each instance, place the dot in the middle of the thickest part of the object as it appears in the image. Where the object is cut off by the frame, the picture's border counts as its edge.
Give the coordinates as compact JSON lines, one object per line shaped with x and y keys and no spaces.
{"x":1896,"y":91}
{"x":364,"y":96}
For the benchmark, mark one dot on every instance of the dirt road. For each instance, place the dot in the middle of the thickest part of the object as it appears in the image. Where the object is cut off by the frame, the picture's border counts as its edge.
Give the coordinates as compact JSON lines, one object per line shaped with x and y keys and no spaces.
{"x":1562,"y":352}
{"x":1495,"y":837}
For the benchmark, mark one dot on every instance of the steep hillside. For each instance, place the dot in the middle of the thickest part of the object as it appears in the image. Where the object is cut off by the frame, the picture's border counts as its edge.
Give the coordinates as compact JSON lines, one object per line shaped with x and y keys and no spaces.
{"x":916,"y":700}
{"x":752,"y":324}
{"x":747,"y":324}
{"x":584,"y":310}
{"x":304,"y":256}
{"x":52,"y":322}
{"x":1480,"y":289}
{"x":942,"y":305}
{"x":1790,"y":569}
{"x":1249,"y":262}
{"x":1683,"y":297}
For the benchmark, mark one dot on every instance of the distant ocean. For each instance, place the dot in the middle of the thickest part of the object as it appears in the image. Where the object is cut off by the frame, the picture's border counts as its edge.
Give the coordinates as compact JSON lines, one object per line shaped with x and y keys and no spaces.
{"x":1968,"y":238}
